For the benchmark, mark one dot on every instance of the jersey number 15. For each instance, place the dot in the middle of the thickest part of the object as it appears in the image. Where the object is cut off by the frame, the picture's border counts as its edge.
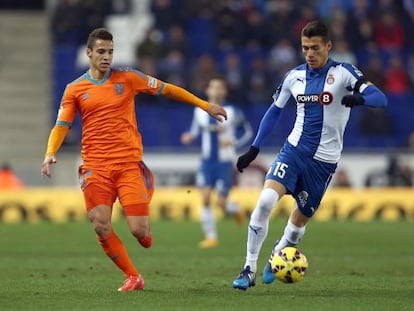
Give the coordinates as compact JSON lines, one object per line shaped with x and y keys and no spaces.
{"x":280,"y":169}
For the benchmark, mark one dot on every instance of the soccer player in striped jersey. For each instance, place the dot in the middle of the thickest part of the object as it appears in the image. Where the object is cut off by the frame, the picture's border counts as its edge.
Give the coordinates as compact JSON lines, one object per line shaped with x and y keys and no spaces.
{"x":325,"y":92}
{"x":112,"y":150}
{"x":218,"y":151}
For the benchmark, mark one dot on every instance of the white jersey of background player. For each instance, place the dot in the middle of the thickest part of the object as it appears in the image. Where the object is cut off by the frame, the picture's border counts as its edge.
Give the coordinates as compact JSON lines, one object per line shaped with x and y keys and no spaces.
{"x":218,"y":152}
{"x":324,"y":91}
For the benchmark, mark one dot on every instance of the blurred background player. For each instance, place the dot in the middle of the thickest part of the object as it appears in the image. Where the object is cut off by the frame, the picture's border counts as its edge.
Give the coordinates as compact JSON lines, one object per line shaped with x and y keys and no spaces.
{"x":218,"y":151}
{"x":325,"y":91}
{"x":112,"y":150}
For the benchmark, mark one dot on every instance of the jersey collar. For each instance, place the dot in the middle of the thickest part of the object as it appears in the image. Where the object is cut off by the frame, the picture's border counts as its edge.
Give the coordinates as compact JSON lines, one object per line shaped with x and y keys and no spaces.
{"x":101,"y":81}
{"x":321,"y":70}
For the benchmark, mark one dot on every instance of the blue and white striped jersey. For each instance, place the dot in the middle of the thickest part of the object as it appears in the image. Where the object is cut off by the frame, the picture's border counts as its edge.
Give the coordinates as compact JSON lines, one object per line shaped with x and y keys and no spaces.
{"x":321,"y":119}
{"x":213,"y":133}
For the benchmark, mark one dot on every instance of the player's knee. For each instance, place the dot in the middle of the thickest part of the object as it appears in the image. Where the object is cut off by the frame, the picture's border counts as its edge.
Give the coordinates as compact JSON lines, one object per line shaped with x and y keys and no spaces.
{"x":102,"y":228}
{"x":140,"y":232}
{"x":267,"y":200}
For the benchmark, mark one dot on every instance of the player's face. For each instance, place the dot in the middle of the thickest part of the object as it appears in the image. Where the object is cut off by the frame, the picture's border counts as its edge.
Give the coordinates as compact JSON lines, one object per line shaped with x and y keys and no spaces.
{"x":100,"y":56}
{"x":216,"y":91}
{"x":316,"y":51}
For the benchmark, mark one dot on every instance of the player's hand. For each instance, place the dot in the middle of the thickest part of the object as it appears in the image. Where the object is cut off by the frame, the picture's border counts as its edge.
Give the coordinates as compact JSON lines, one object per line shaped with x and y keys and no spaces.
{"x":245,"y":159}
{"x":47,"y":166}
{"x":217,"y":112}
{"x":353,"y":100}
{"x":186,"y":138}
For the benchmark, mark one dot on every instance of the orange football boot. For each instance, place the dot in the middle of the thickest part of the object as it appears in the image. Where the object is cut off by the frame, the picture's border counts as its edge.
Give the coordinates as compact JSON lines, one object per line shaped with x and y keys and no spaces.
{"x":133,"y":282}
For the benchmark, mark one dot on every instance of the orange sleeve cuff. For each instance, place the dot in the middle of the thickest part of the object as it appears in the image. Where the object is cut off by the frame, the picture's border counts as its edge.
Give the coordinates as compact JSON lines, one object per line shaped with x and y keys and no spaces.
{"x":178,"y":93}
{"x":56,"y":138}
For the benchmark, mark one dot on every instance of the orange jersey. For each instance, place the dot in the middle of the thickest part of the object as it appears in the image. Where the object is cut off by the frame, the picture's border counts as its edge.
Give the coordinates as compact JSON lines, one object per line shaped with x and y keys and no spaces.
{"x":107,"y":108}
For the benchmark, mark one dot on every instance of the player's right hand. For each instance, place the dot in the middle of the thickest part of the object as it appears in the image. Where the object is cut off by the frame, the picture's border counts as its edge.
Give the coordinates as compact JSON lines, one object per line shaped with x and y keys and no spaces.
{"x":186,"y":138}
{"x":245,"y":159}
{"x":47,"y":166}
{"x":217,"y":112}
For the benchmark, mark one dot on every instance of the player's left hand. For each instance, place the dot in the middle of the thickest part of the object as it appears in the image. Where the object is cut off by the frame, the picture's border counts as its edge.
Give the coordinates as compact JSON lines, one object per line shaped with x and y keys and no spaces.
{"x":46,"y":166}
{"x":217,"y":112}
{"x":353,"y":100}
{"x":244,"y":160}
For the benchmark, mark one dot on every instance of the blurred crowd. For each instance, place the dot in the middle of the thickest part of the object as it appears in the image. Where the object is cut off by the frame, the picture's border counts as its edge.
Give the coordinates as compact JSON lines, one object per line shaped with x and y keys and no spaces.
{"x":254,"y":42}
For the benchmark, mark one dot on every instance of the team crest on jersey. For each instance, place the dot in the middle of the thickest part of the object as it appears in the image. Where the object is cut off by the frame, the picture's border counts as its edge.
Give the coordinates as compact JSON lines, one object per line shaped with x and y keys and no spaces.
{"x":331,"y":79}
{"x":303,"y":198}
{"x":119,"y":89}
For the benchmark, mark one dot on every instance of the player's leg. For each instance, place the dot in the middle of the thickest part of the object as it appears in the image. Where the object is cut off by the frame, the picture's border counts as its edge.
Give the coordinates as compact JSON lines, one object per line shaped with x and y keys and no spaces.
{"x":224,"y":183}
{"x":140,"y":228}
{"x":100,"y":194}
{"x":100,"y":216}
{"x":310,"y":188}
{"x":257,"y":231}
{"x":205,"y":181}
{"x":294,"y":230}
{"x":280,"y":178}
{"x":135,"y":186}
{"x":230,"y":208}
{"x":208,"y":220}
{"x":293,"y":233}
{"x":135,"y":189}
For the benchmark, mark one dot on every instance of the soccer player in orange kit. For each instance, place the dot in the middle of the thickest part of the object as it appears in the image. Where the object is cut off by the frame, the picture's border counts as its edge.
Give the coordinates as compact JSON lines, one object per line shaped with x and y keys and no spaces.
{"x":112,"y":148}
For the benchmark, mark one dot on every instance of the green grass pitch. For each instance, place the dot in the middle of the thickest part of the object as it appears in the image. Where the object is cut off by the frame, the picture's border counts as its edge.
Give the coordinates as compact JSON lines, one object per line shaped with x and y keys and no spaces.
{"x":353,"y":266}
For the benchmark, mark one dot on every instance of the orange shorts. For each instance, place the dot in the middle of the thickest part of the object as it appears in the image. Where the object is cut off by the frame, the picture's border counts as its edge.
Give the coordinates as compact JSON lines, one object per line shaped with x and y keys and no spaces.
{"x":131,"y":183}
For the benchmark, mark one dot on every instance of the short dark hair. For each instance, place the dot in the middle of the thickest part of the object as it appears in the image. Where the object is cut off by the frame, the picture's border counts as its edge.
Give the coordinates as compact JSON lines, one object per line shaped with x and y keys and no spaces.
{"x":98,"y":34}
{"x":316,"y":29}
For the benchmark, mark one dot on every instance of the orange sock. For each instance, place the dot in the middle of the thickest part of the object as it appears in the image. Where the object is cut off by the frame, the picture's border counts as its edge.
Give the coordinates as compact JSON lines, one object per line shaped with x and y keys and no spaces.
{"x":116,"y":250}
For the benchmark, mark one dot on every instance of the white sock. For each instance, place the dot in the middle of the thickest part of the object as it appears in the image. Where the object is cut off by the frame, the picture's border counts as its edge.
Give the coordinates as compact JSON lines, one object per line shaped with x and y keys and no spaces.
{"x":232,"y":208}
{"x":258,"y":226}
{"x":291,"y":236}
{"x":208,"y":223}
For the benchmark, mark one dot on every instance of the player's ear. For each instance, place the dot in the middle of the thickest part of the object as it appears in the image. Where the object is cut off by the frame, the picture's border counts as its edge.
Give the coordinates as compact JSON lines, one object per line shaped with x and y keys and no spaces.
{"x":88,"y":52}
{"x":329,"y":45}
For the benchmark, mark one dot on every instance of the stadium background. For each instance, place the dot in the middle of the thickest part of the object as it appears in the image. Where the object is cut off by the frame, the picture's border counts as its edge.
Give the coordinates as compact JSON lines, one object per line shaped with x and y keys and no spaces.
{"x":252,"y":43}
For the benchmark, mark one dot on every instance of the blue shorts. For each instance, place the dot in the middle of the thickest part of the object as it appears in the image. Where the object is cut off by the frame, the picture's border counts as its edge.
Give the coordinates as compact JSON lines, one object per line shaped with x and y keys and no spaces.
{"x":217,"y":175}
{"x":305,"y":178}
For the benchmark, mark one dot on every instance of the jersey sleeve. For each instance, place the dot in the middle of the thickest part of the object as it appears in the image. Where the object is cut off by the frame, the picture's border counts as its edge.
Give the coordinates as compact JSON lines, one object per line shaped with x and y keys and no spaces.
{"x":195,"y":125}
{"x":282,"y":94}
{"x":68,"y":108}
{"x":241,"y":122}
{"x":354,"y":79}
{"x":143,"y":83}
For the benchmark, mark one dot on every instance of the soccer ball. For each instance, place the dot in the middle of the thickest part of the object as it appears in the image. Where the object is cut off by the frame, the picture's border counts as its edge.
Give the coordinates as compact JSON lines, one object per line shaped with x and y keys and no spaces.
{"x":289,"y":265}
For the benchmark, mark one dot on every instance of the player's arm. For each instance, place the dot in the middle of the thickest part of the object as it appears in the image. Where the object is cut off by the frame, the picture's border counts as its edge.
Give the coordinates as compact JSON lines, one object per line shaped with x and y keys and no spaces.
{"x":58,"y":133}
{"x":364,"y":92}
{"x":247,"y":130}
{"x":188,"y":137}
{"x":178,"y":93}
{"x":147,"y":84}
{"x":266,"y":126}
